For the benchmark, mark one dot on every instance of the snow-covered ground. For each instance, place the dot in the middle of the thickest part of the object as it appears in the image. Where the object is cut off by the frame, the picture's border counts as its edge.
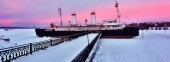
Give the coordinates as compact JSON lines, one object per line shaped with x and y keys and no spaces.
{"x":150,"y":46}
{"x":19,"y":37}
{"x":64,"y":52}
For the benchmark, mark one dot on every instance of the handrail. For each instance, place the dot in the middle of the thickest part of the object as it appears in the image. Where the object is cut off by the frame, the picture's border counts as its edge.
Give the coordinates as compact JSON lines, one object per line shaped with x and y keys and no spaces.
{"x":11,"y":53}
{"x":94,"y":51}
{"x":82,"y":56}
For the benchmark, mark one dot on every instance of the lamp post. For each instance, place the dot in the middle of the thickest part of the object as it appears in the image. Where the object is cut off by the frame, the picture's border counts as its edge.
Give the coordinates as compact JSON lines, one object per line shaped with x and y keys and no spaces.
{"x":88,"y":41}
{"x":165,"y":27}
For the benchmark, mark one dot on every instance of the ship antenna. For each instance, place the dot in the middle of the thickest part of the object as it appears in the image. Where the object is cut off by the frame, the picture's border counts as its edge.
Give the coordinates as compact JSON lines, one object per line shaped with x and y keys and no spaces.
{"x":60,"y":13}
{"x":117,"y":7}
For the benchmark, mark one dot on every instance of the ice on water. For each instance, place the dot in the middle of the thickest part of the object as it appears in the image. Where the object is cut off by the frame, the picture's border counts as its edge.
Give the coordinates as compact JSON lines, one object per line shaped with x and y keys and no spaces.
{"x":150,"y":46}
{"x":19,"y":37}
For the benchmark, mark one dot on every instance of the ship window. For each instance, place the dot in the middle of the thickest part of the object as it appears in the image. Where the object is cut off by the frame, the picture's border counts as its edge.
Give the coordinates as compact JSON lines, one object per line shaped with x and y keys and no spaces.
{"x":117,"y":25}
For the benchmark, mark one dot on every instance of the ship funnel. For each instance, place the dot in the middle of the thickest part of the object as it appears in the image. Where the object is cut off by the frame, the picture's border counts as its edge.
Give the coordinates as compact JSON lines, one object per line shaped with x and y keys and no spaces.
{"x":74,"y":20}
{"x":93,"y":17}
{"x":52,"y":25}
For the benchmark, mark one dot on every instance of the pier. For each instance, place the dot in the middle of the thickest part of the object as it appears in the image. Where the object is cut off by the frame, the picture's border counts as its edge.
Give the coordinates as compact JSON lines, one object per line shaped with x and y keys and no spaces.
{"x":75,"y":44}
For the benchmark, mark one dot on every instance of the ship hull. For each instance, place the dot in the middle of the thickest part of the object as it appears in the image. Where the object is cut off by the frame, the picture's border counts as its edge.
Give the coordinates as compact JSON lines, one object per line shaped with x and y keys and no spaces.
{"x":127,"y":32}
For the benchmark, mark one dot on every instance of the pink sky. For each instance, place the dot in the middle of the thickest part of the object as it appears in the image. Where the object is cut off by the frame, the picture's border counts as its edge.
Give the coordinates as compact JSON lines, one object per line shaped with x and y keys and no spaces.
{"x":7,"y":21}
{"x":43,"y":12}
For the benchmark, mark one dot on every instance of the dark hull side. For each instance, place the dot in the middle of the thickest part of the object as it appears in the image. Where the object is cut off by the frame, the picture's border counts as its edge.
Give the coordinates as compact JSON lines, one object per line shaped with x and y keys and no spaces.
{"x":127,"y":32}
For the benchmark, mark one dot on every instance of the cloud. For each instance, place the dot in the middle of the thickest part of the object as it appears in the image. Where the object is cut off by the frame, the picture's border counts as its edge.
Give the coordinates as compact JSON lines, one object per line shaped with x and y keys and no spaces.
{"x":10,"y":5}
{"x":6,"y":21}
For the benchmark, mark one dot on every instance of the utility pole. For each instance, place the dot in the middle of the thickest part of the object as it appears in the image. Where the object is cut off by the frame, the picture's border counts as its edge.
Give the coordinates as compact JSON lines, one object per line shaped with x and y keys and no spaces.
{"x":60,"y":13}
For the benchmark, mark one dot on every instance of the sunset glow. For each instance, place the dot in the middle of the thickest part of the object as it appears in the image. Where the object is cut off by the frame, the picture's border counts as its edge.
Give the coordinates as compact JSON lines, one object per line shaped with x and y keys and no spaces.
{"x":17,"y":12}
{"x":6,"y":22}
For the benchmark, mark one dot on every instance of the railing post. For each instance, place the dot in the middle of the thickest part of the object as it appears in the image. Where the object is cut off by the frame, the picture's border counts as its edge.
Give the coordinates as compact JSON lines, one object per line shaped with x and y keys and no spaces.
{"x":69,"y":38}
{"x":62,"y":40}
{"x":31,"y":48}
{"x":51,"y":42}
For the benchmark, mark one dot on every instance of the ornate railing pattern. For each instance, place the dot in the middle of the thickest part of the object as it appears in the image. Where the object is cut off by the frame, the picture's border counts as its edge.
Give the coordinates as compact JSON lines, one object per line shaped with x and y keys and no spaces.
{"x":12,"y":53}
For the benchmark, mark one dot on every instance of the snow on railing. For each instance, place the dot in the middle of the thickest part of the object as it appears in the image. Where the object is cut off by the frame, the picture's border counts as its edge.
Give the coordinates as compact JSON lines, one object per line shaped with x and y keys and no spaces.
{"x":94,"y":50}
{"x":11,"y":53}
{"x":83,"y":55}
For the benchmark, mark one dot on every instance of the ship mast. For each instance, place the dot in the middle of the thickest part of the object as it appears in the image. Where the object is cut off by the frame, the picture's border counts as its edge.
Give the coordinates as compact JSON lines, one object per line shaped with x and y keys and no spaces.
{"x":60,"y":13}
{"x":117,"y":7}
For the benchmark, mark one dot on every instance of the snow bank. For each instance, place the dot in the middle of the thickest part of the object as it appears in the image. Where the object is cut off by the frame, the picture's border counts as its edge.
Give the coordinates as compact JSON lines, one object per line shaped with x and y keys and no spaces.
{"x":154,"y":47}
{"x":64,"y":52}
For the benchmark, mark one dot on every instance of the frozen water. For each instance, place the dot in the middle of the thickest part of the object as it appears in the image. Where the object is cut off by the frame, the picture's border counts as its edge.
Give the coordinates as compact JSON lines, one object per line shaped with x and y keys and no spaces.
{"x":19,"y":37}
{"x":150,"y":46}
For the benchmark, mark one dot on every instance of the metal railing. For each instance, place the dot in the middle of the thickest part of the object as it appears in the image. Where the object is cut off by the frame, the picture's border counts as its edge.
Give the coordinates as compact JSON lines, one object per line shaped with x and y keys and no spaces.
{"x":83,"y":55}
{"x":12,"y":53}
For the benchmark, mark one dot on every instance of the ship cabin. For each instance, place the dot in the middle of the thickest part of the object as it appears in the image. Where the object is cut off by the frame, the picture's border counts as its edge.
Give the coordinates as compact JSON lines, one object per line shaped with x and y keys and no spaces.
{"x":110,"y":24}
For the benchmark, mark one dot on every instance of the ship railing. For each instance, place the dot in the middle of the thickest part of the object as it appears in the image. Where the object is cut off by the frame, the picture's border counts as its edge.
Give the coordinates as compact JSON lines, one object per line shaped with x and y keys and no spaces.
{"x":12,"y":53}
